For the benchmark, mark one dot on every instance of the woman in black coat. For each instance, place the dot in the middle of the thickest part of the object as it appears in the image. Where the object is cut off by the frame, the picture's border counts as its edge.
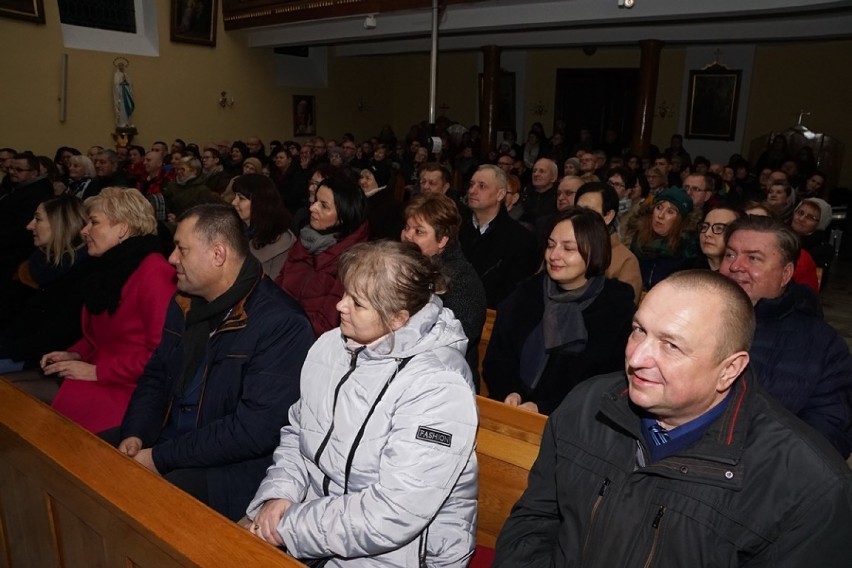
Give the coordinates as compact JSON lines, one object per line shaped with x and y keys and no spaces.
{"x":564,"y":325}
{"x":432,"y":222}
{"x":49,"y":296}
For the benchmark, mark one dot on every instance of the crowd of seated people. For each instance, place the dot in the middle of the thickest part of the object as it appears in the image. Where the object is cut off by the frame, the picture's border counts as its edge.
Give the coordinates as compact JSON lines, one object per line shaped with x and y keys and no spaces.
{"x":561,"y":240}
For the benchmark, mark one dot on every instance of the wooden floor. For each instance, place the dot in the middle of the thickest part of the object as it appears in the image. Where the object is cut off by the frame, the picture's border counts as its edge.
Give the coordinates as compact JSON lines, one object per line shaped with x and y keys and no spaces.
{"x":837,"y":298}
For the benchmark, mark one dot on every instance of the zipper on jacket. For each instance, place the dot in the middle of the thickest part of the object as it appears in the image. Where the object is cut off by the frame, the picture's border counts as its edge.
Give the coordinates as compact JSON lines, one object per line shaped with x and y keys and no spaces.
{"x":353,"y":360}
{"x":422,"y":547}
{"x":601,"y":493}
{"x":656,"y":526}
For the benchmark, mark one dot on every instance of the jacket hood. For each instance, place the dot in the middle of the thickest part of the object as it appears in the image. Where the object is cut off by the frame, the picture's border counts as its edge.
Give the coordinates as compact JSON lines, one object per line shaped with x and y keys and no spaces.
{"x":432,"y":327}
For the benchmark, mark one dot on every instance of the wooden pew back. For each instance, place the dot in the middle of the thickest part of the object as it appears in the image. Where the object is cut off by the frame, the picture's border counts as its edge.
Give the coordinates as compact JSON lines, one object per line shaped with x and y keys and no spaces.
{"x":506,"y":447}
{"x":484,"y":339}
{"x":68,"y":499}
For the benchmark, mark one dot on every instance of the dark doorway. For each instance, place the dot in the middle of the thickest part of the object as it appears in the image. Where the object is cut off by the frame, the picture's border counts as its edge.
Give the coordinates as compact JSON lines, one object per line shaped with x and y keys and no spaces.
{"x":597,"y":99}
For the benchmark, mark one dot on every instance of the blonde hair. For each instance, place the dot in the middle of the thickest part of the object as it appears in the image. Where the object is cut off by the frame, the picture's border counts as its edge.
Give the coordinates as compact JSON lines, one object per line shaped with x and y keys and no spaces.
{"x":88,"y":166}
{"x":66,"y":216}
{"x":122,"y":205}
{"x":391,"y":276}
{"x":192,"y":163}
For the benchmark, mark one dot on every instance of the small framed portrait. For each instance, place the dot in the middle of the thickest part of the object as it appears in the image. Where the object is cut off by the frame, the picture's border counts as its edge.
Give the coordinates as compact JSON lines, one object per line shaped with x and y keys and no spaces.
{"x":194,"y":21}
{"x":304,"y":117}
{"x":714,"y":94}
{"x":30,"y":10}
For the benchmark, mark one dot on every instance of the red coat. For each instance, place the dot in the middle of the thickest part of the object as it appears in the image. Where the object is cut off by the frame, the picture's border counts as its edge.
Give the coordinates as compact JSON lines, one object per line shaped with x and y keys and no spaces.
{"x":119,"y":346}
{"x":806,"y":271}
{"x":312,"y":280}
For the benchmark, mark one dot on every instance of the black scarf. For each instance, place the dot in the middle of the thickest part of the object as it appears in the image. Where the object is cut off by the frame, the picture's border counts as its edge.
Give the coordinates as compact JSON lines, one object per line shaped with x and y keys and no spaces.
{"x":204,"y":317}
{"x":102,"y":288}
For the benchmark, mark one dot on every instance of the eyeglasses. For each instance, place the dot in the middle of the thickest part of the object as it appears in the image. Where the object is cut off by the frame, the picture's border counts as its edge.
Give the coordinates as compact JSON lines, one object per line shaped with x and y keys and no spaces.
{"x":694,"y":189}
{"x":617,"y":184}
{"x":806,"y":215}
{"x":14,"y":169}
{"x":717,"y":228}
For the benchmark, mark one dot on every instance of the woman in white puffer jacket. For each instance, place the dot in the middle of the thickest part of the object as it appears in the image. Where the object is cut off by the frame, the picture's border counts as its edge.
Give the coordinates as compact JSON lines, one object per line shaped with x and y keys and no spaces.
{"x":377,"y":466}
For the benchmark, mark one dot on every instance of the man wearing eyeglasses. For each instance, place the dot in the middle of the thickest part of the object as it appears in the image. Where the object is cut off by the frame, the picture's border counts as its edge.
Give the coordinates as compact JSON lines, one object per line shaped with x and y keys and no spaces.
{"x":505,"y":162}
{"x":801,"y":360}
{"x":17,"y":206}
{"x":702,"y":189}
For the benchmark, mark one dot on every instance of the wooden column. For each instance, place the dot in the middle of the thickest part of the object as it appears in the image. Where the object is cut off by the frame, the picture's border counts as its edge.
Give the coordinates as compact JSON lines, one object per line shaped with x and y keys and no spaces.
{"x":649,"y":71}
{"x":488,"y":106}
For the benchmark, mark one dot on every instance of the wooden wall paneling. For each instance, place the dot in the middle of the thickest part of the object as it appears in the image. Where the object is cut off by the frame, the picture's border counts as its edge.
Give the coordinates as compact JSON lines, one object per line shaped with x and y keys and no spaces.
{"x":79,"y":543}
{"x":27,"y":525}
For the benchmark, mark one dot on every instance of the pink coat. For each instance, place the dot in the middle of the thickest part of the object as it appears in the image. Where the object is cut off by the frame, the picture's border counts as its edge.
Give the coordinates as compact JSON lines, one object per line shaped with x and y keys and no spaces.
{"x":119,"y":346}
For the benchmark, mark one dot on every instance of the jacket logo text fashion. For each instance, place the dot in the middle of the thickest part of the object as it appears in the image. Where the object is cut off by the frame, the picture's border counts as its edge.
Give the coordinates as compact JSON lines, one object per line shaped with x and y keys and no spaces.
{"x":434,"y":436}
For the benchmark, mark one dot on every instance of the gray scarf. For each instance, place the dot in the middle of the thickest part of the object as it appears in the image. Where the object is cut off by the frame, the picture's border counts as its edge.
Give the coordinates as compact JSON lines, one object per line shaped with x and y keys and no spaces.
{"x":562,"y":323}
{"x":314,"y":241}
{"x":562,"y":329}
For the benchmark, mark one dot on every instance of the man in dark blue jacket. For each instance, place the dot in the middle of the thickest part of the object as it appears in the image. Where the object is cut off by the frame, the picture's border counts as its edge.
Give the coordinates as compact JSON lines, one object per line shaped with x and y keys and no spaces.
{"x":209,"y":406}
{"x":801,"y":360}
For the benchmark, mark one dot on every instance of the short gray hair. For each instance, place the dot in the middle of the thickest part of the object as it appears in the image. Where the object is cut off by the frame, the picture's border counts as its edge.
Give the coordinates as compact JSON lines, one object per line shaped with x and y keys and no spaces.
{"x":111,"y":156}
{"x":500,"y":176}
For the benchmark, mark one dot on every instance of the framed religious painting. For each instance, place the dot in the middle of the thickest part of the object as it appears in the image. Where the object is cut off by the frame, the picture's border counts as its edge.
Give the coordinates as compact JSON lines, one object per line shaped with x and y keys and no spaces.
{"x":304,"y":119}
{"x":194,"y":21}
{"x":714,"y":94}
{"x":30,"y":10}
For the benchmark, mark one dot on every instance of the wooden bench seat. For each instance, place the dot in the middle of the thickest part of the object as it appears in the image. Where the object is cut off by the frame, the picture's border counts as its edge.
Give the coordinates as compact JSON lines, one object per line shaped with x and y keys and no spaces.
{"x":68,"y":499}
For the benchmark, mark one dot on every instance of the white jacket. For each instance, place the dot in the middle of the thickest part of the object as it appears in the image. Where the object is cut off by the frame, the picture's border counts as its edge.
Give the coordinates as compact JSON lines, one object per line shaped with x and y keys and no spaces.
{"x":413,"y":485}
